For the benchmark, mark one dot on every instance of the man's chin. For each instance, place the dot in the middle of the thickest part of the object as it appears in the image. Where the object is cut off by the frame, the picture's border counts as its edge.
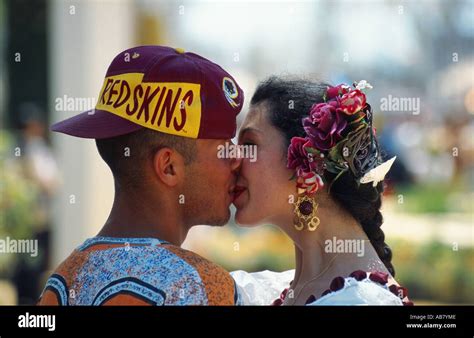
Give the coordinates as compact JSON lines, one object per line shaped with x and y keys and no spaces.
{"x":217,"y":225}
{"x":219,"y":221}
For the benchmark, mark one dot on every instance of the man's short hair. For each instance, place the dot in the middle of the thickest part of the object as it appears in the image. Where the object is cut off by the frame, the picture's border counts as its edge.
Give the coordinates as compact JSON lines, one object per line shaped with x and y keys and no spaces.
{"x":126,"y":155}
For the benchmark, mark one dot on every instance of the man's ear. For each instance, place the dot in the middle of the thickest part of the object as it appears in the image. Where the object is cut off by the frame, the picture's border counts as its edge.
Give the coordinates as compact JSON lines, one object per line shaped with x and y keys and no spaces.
{"x":168,"y":165}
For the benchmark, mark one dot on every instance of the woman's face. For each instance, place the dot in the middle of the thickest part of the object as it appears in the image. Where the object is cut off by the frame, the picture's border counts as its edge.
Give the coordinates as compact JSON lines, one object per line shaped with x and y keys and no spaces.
{"x":264,"y":186}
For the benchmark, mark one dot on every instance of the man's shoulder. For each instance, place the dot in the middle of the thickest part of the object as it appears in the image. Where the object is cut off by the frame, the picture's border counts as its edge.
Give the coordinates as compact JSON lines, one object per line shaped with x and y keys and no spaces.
{"x":195,"y":260}
{"x":217,"y":282}
{"x":174,"y":275}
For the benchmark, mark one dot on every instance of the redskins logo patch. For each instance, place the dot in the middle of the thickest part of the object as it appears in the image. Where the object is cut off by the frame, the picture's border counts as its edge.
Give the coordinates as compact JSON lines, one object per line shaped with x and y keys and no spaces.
{"x":230,"y":91}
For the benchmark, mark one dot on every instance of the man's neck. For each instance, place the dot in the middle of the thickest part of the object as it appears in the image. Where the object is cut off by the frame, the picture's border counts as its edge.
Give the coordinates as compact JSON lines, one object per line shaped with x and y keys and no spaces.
{"x":121,"y":230}
{"x":132,"y":216}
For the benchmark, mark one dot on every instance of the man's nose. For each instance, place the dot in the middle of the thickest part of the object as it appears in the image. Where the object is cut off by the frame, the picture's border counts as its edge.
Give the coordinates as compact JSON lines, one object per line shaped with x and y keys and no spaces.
{"x":235,"y":164}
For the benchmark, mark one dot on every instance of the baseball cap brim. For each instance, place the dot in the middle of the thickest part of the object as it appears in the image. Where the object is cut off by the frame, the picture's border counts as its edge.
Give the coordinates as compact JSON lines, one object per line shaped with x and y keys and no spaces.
{"x":97,"y":124}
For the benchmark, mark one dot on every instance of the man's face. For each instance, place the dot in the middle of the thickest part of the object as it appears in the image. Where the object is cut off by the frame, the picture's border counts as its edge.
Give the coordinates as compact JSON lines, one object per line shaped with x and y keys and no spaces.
{"x":209,"y":184}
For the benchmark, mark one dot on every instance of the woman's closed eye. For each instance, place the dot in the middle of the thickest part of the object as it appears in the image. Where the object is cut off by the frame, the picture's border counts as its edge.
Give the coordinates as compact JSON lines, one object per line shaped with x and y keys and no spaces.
{"x":248,"y":143}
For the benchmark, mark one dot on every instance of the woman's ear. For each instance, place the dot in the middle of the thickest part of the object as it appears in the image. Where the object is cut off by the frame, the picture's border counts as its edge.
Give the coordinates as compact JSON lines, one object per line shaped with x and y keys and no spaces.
{"x":168,"y":166}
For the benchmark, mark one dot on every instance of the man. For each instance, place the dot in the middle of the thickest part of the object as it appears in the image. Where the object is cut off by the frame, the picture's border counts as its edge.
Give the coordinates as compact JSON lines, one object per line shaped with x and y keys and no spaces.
{"x":160,"y":117}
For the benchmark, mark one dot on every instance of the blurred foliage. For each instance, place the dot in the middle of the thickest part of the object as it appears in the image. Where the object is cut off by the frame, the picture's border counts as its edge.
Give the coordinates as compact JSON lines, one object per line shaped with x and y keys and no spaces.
{"x":18,"y":200}
{"x":434,"y":198}
{"x":434,"y":271}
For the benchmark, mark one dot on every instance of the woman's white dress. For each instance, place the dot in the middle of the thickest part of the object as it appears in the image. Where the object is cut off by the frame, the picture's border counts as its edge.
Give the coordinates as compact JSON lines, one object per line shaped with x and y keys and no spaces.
{"x":360,"y":288}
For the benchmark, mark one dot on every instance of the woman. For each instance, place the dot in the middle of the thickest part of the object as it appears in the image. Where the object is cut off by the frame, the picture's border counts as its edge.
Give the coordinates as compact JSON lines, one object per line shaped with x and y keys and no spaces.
{"x":322,"y":138}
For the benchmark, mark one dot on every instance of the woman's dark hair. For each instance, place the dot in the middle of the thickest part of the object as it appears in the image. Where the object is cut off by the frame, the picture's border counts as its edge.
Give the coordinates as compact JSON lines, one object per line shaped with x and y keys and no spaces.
{"x":289,"y":100}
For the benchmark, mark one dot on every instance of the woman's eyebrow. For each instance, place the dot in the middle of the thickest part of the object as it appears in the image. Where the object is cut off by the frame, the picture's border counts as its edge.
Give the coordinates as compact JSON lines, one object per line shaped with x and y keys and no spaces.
{"x":247,"y":129}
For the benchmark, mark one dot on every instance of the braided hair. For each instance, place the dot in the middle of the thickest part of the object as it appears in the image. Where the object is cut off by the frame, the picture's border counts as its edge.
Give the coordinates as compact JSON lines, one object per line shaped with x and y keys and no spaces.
{"x":288,"y":101}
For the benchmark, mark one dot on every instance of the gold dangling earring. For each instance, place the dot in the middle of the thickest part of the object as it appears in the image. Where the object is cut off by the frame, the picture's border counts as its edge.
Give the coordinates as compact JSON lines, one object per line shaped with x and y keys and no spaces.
{"x":305,"y":213}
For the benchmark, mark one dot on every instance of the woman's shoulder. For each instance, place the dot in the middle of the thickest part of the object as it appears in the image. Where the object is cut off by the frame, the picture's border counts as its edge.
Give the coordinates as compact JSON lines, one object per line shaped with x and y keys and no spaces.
{"x":363,"y":288}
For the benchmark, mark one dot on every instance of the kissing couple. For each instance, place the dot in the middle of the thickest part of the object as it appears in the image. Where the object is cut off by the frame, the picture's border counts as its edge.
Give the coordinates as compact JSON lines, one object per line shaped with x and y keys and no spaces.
{"x":161,"y":117}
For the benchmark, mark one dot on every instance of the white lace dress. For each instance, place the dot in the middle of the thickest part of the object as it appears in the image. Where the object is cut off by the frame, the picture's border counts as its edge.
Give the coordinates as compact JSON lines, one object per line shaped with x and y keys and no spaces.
{"x":360,"y":288}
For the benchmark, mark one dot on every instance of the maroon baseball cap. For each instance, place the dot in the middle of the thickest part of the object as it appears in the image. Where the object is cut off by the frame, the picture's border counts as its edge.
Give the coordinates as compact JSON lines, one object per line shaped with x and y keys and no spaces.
{"x":164,"y":89}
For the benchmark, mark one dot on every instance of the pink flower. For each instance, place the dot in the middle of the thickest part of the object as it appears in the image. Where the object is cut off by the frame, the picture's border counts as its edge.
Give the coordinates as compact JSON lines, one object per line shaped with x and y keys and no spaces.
{"x":325,"y":124}
{"x":333,"y":92}
{"x":353,"y":102}
{"x":298,"y":158}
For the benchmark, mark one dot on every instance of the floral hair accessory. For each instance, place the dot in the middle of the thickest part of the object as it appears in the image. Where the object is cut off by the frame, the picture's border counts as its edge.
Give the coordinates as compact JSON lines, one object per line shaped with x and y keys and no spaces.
{"x":339,"y":137}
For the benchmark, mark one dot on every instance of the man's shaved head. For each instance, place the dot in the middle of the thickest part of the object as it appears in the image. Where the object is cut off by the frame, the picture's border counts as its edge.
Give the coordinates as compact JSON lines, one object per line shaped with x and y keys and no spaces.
{"x":128,"y":155}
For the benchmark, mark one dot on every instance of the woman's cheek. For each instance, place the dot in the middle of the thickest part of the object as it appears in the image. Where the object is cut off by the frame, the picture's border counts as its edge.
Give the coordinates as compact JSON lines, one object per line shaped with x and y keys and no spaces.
{"x":250,"y":169}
